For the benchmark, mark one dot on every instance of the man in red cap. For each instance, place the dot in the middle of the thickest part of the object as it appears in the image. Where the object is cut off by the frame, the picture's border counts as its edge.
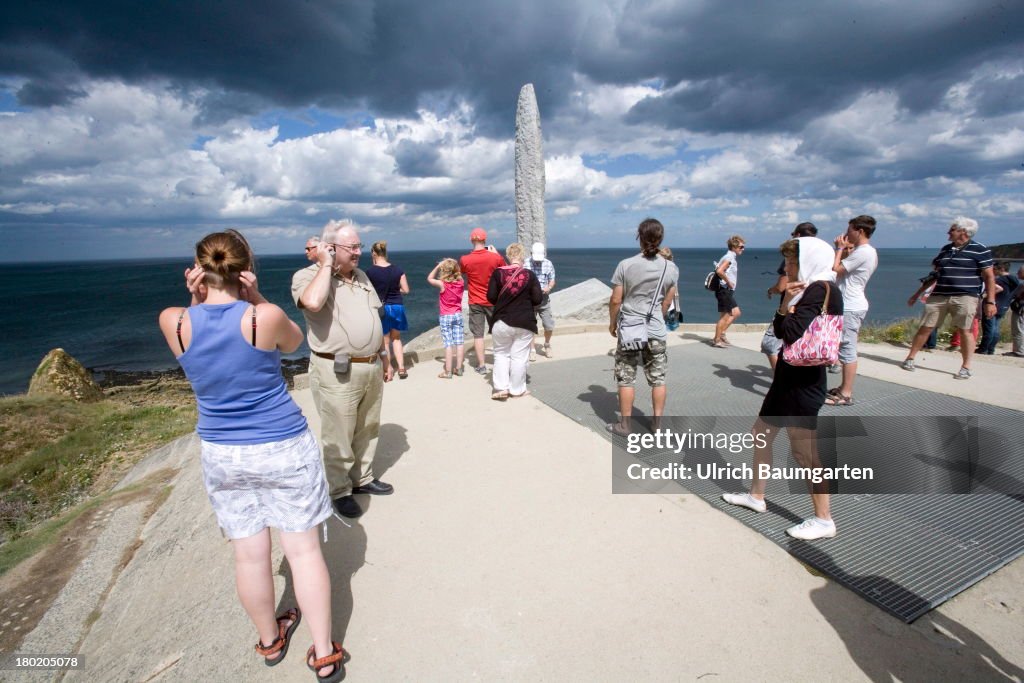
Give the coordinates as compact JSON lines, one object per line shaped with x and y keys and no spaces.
{"x":477,"y":266}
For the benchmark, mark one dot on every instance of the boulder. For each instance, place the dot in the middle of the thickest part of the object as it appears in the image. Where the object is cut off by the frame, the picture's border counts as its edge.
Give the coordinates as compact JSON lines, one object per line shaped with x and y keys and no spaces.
{"x":585,"y":302}
{"x":59,"y":374}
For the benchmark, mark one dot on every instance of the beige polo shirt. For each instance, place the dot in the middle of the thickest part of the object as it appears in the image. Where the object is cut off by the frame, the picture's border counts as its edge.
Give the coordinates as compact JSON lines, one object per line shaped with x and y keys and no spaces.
{"x":349,"y":321}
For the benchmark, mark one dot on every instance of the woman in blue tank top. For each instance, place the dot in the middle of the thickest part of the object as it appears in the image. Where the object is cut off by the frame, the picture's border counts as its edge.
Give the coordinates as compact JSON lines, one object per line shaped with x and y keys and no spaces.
{"x":261,"y":464}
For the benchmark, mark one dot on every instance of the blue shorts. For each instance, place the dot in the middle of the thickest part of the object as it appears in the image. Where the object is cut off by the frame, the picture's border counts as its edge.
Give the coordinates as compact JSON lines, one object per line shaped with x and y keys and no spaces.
{"x":451,"y":330}
{"x":394,"y":318}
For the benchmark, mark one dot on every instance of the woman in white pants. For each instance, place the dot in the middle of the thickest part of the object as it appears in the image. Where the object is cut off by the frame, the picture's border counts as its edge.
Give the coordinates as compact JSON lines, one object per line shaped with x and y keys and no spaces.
{"x":514,"y":291}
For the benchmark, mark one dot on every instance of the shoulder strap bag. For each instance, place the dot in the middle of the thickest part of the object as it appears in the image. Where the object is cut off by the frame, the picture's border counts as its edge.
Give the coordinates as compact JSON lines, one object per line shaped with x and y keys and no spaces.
{"x":819,"y":344}
{"x":633,"y":332}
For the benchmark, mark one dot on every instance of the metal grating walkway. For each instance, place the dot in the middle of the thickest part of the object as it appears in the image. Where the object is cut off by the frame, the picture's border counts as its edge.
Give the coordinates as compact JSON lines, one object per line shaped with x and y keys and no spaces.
{"x":906,"y":553}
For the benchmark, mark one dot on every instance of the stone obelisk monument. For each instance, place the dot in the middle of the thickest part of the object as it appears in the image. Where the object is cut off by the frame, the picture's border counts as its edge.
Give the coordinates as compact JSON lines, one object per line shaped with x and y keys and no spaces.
{"x":531,"y":225}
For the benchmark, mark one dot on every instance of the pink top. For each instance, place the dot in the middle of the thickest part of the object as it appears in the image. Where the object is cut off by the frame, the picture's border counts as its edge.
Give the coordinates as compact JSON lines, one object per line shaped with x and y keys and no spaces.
{"x":450,"y":299}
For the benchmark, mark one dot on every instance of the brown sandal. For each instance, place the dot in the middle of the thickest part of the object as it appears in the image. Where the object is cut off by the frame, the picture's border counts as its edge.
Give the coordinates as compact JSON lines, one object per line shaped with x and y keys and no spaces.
{"x":337,"y":658}
{"x":284,"y":636}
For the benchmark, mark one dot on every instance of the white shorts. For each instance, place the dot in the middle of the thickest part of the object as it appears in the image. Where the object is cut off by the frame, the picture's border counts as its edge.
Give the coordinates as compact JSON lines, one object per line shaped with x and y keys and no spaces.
{"x":279,"y":484}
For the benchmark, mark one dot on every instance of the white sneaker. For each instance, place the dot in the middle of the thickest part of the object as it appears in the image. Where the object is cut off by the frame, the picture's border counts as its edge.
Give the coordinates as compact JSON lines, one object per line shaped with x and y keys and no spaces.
{"x":547,"y":351}
{"x":813,"y":528}
{"x":745,"y":500}
{"x":533,"y":354}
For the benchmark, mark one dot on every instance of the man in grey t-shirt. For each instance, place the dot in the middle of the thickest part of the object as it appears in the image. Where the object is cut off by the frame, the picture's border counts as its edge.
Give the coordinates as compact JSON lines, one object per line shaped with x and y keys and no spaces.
{"x":637,"y":297}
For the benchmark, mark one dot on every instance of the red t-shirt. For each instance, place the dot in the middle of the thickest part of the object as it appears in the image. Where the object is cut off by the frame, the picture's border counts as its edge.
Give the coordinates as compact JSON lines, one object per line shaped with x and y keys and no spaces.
{"x":477,"y":266}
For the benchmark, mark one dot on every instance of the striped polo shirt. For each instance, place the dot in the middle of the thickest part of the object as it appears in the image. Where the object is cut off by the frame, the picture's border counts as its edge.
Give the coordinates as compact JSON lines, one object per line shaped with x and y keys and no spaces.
{"x":960,"y":269}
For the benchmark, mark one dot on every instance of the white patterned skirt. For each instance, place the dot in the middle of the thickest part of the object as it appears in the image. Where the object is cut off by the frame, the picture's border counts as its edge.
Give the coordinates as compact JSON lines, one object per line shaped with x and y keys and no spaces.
{"x":279,"y":484}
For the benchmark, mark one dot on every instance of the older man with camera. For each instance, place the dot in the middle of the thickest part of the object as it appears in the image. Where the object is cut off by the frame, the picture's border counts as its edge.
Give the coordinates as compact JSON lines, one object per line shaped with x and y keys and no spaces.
{"x":962,"y":272}
{"x":348,"y":363}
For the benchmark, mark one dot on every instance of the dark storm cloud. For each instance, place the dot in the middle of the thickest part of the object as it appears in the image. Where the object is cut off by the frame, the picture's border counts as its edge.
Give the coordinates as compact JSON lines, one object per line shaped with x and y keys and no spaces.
{"x":998,"y":96}
{"x":751,"y":66}
{"x":47,"y":94}
{"x":774,"y":66}
{"x":418,"y":159}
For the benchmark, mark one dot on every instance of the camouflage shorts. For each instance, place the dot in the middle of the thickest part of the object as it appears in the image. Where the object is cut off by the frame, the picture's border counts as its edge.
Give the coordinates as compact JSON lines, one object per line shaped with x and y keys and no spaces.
{"x":654,"y":358}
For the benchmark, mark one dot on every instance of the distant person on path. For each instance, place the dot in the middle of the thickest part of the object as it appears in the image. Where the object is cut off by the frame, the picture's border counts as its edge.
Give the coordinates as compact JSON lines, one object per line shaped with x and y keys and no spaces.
{"x":540,"y":266}
{"x":261,"y":464}
{"x":446,"y":277}
{"x":922,"y":294}
{"x":1017,"y":317}
{"x":477,"y":266}
{"x":727,"y":271}
{"x":311,"y":248}
{"x":390,"y":283}
{"x":770,"y":344}
{"x":348,"y":363}
{"x":515,"y":292}
{"x":797,"y":392}
{"x":855,"y":262}
{"x":1006,"y":285}
{"x":964,"y":269}
{"x":637,"y":299}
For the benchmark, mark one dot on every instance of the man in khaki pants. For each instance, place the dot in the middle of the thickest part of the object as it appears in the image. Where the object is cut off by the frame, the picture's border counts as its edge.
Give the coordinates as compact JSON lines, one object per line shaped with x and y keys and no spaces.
{"x":348,"y":363}
{"x":963,"y":272}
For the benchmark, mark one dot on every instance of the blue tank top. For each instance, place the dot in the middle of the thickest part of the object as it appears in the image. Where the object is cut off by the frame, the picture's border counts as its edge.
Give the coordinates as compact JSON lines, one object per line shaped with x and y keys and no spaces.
{"x":241,"y":394}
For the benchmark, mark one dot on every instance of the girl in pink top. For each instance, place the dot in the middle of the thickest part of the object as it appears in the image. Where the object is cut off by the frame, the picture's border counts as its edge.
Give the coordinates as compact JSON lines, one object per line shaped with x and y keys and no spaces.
{"x":447,"y":277}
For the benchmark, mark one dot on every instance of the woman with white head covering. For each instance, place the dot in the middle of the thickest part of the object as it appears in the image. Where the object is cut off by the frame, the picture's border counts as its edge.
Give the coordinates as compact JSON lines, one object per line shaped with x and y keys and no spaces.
{"x":797,"y":392}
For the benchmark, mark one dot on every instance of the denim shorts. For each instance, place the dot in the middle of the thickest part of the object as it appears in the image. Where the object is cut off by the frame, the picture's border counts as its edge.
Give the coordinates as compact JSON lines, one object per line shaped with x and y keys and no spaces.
{"x":279,"y":484}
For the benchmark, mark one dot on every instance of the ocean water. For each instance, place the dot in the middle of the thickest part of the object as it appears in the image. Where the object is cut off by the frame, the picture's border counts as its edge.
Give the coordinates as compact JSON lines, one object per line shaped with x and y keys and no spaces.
{"x":105,"y":313}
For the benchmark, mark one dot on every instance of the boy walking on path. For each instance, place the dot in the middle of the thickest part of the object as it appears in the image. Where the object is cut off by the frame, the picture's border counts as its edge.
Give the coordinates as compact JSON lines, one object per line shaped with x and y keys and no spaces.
{"x":727,"y":271}
{"x":477,"y":266}
{"x":855,"y":262}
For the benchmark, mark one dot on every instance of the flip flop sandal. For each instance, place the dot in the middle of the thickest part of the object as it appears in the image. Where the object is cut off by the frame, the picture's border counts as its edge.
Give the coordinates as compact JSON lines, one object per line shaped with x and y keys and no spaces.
{"x":284,"y":637}
{"x":445,"y":375}
{"x":839,"y":400}
{"x":525,"y":393}
{"x":834,"y":391}
{"x":338,"y":657}
{"x":402,"y":374}
{"x":499,"y":396}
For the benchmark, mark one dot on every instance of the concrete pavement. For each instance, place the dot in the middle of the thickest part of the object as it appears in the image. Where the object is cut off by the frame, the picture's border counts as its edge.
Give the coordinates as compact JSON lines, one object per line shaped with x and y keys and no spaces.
{"x":503,"y":555}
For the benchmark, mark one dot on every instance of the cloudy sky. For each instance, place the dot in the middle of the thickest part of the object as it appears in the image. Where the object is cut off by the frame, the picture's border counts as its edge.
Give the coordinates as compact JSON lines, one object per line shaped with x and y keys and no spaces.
{"x":133,"y":128}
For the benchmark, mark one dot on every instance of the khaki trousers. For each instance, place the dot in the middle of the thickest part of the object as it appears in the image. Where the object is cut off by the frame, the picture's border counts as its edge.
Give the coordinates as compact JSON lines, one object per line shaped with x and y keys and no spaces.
{"x":349,"y":408}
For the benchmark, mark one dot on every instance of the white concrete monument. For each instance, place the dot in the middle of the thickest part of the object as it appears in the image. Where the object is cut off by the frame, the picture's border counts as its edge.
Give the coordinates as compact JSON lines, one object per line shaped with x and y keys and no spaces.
{"x":531,"y":225}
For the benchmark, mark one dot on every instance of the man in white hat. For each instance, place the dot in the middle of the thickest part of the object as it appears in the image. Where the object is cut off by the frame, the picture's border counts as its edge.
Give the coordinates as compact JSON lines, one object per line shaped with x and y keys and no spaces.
{"x":545,"y":272}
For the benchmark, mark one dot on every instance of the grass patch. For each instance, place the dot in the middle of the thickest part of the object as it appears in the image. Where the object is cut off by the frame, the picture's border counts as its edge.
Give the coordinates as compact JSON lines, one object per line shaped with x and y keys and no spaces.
{"x":902,"y":332}
{"x":56,"y":452}
{"x":27,"y":545}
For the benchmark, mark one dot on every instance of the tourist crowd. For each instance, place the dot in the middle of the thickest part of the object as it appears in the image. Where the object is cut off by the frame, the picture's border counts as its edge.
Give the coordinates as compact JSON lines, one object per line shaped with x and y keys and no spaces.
{"x":262,"y":466}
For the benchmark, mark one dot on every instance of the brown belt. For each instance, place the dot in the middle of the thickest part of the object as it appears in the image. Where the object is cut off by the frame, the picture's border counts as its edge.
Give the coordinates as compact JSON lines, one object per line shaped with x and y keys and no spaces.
{"x":352,"y":359}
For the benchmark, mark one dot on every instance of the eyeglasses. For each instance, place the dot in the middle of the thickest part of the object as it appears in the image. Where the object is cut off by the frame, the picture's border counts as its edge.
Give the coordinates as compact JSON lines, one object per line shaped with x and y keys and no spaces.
{"x":351,"y":247}
{"x":310,"y":248}
{"x":741,"y":247}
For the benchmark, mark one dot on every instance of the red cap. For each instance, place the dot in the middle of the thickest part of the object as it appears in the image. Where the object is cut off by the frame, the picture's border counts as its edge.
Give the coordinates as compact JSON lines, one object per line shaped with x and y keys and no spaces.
{"x":478,"y":235}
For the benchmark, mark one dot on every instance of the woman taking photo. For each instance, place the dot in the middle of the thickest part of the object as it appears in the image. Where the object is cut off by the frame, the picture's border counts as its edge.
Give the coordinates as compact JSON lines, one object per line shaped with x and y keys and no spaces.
{"x":514,"y":292}
{"x":261,"y":464}
{"x":797,"y":393}
{"x":390,"y":282}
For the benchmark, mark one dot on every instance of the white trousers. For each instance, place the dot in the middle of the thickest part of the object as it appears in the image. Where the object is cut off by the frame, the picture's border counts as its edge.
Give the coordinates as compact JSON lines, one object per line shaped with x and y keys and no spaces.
{"x":511,"y":355}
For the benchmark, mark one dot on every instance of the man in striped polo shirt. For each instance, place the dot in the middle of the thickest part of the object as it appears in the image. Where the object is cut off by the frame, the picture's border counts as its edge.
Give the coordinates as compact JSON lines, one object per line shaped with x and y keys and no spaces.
{"x":964,"y":271}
